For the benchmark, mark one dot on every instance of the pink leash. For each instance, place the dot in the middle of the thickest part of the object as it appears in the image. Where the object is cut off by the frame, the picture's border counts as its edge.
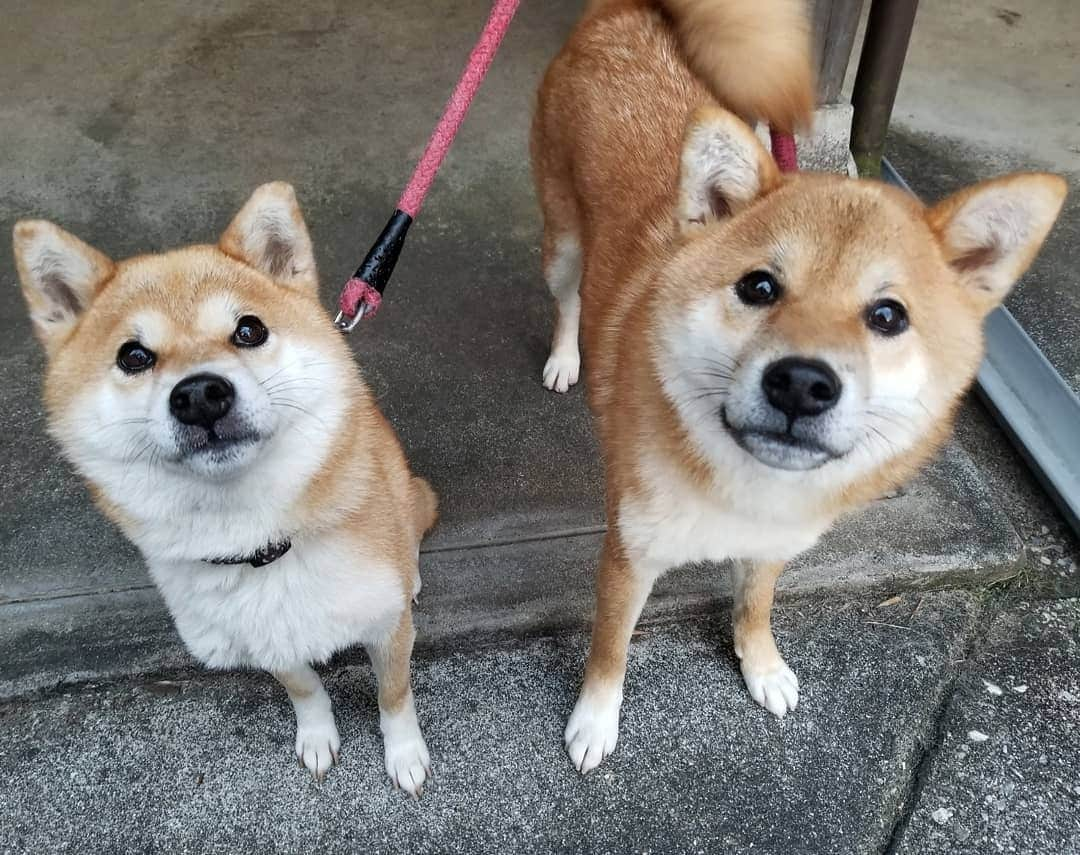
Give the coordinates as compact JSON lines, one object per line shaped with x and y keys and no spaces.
{"x":362,"y":294}
{"x":783,"y":151}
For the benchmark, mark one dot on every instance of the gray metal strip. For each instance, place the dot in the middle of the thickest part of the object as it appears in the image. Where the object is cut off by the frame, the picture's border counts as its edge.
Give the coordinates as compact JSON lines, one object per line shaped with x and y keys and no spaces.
{"x":1036,"y":407}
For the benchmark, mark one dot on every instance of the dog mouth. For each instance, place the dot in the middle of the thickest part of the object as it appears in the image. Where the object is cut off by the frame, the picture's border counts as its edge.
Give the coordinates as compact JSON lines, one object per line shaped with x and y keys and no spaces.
{"x":215,"y":444}
{"x":780,"y":449}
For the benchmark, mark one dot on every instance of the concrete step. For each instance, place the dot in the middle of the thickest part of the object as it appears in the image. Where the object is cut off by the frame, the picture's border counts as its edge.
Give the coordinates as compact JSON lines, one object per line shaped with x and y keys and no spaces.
{"x":455,"y":355}
{"x":944,"y":530}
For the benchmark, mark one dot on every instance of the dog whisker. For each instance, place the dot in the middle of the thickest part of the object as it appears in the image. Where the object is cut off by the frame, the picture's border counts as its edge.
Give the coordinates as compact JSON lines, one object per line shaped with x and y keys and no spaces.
{"x":293,"y":405}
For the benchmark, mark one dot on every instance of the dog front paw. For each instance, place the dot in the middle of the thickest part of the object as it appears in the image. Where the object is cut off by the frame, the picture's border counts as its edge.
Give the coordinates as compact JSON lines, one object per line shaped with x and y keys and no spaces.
{"x":317,"y":747}
{"x":409,"y":765}
{"x":593,"y":730}
{"x":776,"y":688}
{"x":407,"y":760}
{"x":562,"y":369}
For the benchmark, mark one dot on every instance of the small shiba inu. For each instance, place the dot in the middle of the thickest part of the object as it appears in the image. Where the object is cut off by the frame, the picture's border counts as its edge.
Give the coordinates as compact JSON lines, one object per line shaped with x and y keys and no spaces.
{"x":220,"y":421}
{"x":764,"y":352}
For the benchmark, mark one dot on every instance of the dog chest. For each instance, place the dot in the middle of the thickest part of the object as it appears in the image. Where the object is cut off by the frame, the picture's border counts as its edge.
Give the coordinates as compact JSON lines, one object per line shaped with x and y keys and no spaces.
{"x":671,"y":523}
{"x":312,"y":602}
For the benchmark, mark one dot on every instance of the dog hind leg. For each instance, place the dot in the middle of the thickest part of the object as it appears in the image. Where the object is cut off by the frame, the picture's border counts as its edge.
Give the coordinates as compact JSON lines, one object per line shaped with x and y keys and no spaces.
{"x":562,"y":271}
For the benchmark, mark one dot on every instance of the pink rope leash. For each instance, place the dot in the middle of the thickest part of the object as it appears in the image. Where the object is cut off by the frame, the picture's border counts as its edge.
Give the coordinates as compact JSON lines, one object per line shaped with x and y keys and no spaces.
{"x":783,"y":151}
{"x":362,"y":294}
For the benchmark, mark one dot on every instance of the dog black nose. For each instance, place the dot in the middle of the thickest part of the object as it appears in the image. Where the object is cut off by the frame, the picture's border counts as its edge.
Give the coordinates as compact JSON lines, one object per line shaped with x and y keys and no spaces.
{"x":801,"y":387}
{"x":201,"y":399}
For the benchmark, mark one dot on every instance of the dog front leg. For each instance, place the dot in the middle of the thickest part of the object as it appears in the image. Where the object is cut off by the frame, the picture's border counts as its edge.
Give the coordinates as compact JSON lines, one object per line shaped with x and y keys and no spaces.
{"x":769,"y":680}
{"x":317,"y":740}
{"x":621,"y":592}
{"x":407,"y":761}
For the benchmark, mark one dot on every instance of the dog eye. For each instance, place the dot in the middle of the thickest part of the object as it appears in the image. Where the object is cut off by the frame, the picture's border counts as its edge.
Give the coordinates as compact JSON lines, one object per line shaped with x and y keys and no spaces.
{"x":250,"y":332}
{"x":758,"y":288}
{"x":133,"y":357}
{"x":887,"y":317}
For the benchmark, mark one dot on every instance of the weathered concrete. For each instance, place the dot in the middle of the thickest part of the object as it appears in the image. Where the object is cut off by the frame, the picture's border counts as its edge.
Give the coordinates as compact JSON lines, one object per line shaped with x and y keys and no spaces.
{"x":206,"y":766}
{"x":1004,"y":776}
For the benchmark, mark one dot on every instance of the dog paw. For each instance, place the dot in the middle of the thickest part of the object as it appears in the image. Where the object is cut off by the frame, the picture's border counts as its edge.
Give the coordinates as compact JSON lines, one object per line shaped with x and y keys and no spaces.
{"x":317,"y":747}
{"x":408,"y":764}
{"x":592,"y":731}
{"x":776,"y":689}
{"x":561,"y":371}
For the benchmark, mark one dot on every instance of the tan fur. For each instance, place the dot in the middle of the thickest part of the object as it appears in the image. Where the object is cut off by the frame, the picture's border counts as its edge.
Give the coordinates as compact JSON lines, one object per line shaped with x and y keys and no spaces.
{"x":619,"y":109}
{"x":425,"y":505}
{"x":753,"y":55}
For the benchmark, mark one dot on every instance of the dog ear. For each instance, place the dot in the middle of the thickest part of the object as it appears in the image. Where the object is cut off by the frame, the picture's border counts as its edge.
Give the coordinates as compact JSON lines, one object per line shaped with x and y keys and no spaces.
{"x":60,"y":275}
{"x":724,"y":168}
{"x":269,"y":234}
{"x":990,"y":232}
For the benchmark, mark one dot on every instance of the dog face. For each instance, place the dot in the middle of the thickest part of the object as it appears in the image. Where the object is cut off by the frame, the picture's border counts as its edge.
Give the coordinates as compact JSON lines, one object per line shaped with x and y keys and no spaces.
{"x":827,"y":324}
{"x":209,"y":364}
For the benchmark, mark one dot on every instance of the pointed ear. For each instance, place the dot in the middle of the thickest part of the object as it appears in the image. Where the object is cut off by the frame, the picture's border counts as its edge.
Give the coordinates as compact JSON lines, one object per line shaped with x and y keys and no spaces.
{"x":269,"y":234}
{"x":724,"y":168}
{"x":60,"y":275}
{"x":991,"y":232}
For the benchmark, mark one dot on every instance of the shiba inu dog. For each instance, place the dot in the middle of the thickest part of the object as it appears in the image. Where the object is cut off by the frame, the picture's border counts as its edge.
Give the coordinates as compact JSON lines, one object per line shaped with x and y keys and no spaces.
{"x":764,"y":352}
{"x":220,"y":421}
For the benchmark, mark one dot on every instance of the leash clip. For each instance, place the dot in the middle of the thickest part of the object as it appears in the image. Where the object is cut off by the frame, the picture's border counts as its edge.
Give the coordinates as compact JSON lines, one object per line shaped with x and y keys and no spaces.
{"x":346,"y":324}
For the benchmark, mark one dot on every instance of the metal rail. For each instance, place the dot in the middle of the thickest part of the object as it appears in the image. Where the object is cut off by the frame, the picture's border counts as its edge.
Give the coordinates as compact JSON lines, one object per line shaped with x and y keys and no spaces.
{"x":1038,"y":410}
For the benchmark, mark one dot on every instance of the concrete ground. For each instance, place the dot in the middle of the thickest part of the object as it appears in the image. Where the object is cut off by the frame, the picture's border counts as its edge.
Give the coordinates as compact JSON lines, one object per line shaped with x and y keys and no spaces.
{"x":141,"y":126}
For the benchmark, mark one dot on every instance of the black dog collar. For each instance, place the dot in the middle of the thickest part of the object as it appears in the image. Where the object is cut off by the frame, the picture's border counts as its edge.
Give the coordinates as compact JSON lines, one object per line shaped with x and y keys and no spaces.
{"x":260,"y":557}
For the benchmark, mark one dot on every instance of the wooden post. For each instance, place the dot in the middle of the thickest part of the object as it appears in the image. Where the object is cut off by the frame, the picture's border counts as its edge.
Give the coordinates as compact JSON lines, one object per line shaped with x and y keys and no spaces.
{"x":834,"y":22}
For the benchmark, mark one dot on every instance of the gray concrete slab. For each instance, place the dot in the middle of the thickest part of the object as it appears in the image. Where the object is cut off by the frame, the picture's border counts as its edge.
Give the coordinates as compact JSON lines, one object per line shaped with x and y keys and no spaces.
{"x":205,"y":766}
{"x":1004,"y":777}
{"x":142,"y":126}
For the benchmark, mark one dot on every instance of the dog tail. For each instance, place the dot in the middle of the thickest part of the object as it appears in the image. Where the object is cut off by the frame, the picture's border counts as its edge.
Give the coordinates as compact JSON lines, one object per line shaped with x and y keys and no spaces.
{"x":755,"y":56}
{"x":425,"y":505}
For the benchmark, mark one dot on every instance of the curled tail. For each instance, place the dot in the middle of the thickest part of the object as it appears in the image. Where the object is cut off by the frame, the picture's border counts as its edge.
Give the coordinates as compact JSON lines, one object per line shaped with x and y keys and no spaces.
{"x":754,"y":55}
{"x":425,"y":505}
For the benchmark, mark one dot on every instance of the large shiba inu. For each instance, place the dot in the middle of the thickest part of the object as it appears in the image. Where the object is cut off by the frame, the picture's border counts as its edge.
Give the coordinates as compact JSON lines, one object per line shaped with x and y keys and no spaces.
{"x":219,"y":419}
{"x":764,"y":352}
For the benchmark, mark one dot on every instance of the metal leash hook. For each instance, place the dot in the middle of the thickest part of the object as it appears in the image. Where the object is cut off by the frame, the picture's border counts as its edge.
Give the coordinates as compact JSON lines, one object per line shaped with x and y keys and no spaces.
{"x":362,"y":294}
{"x":346,"y":324}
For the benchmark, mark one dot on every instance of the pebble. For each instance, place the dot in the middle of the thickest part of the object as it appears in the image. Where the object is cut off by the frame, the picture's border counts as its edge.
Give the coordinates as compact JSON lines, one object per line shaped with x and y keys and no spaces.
{"x":942,"y":815}
{"x":993,"y":689}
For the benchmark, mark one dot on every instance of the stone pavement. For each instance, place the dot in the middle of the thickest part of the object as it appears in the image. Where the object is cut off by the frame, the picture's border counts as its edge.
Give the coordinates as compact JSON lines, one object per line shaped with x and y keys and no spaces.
{"x":883,"y":741}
